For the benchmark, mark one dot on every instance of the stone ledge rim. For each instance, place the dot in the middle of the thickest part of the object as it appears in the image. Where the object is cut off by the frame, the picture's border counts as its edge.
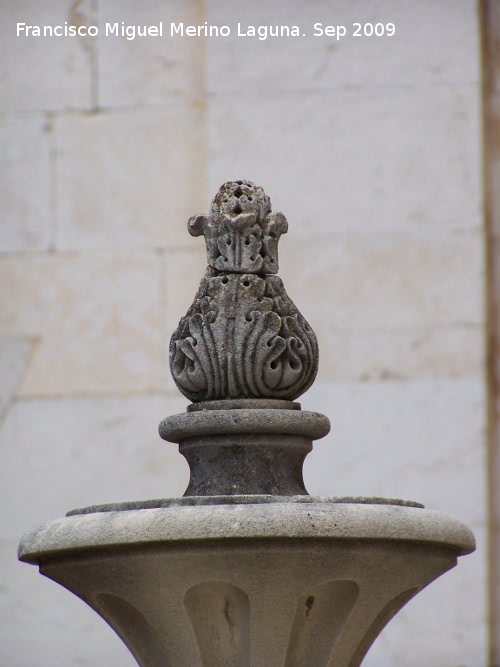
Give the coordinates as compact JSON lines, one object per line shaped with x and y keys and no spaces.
{"x":240,"y":421}
{"x":273,"y":521}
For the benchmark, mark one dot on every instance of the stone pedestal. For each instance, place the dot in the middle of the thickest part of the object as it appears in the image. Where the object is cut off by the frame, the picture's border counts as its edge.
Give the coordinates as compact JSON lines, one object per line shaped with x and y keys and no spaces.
{"x":246,"y":570}
{"x":246,"y":446}
{"x":249,"y":582}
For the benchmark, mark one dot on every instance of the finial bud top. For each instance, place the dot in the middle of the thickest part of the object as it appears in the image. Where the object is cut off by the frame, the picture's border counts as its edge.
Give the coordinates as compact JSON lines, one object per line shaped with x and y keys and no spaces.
{"x":241,"y":232}
{"x":243,"y":337}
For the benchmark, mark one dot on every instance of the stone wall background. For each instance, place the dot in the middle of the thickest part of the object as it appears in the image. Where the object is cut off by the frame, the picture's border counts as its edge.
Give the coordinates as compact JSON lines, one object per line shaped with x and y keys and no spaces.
{"x":371,"y":148}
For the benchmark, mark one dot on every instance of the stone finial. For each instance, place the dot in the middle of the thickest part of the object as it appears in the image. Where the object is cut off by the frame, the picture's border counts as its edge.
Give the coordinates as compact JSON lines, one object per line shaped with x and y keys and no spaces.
{"x":243,"y":337}
{"x":241,"y":232}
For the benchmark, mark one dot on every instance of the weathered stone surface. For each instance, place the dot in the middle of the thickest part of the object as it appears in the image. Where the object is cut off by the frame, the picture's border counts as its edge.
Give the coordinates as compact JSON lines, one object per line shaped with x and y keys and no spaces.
{"x":109,"y":343}
{"x":418,"y":107}
{"x":233,"y":499}
{"x":389,"y":307}
{"x":241,"y":232}
{"x":15,"y":352}
{"x":447,"y":29}
{"x":86,"y":450}
{"x":114,"y":191}
{"x":420,"y":439}
{"x":455,"y":635}
{"x":390,"y":282}
{"x":25,"y":183}
{"x":243,"y":336}
{"x":244,"y":403}
{"x":151,"y":70}
{"x":43,"y":625}
{"x":370,"y":147}
{"x":273,"y":521}
{"x":384,"y":355}
{"x":416,"y":433}
{"x":245,"y":450}
{"x":289,"y":565}
{"x":45,"y":73}
{"x":239,"y":421}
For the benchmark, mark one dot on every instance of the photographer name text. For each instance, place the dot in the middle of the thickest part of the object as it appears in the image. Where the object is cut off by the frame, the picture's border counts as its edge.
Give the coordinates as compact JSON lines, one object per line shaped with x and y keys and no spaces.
{"x":260,"y":32}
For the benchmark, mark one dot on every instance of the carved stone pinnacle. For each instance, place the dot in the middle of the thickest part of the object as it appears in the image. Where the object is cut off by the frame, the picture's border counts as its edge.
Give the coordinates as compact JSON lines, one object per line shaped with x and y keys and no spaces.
{"x":243,"y":337}
{"x":241,"y":232}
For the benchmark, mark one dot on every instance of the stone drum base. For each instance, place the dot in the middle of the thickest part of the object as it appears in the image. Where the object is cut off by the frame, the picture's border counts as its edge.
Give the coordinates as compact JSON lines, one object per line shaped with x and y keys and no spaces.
{"x":298,"y":584}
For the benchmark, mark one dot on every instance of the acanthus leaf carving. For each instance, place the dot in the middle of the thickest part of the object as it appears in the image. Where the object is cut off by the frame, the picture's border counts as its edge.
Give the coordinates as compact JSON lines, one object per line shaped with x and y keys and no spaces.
{"x":243,"y":337}
{"x":235,"y":341}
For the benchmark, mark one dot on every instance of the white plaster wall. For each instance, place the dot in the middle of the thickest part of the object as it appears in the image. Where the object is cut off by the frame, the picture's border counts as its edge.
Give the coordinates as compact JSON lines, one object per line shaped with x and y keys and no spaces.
{"x":370,"y":146}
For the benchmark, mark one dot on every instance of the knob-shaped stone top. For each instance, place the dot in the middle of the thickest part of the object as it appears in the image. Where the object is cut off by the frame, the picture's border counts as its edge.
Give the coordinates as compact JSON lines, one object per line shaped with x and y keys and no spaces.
{"x":241,"y":232}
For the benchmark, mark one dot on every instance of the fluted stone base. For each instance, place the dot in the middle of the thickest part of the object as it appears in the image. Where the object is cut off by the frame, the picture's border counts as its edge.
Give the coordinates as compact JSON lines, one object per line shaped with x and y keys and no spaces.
{"x":265,"y":584}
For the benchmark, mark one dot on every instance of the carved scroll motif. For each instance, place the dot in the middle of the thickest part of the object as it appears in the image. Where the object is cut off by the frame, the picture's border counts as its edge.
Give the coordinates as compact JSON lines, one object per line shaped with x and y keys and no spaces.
{"x":241,"y":233}
{"x":243,"y":337}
